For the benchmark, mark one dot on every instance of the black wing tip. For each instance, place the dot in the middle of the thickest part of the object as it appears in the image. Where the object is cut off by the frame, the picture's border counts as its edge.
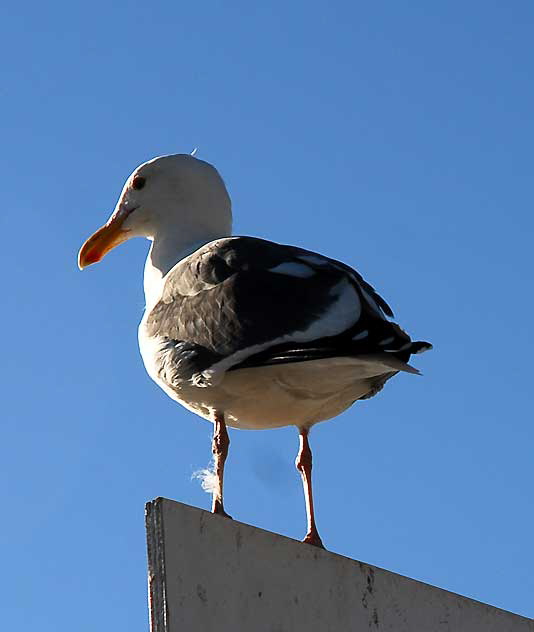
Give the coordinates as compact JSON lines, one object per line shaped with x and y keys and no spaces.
{"x":385,"y":307}
{"x":420,"y":346}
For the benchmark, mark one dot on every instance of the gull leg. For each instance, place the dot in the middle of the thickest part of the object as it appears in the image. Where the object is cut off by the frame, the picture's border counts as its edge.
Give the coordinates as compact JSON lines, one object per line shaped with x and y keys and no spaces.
{"x":219,"y":447}
{"x":303,"y":463}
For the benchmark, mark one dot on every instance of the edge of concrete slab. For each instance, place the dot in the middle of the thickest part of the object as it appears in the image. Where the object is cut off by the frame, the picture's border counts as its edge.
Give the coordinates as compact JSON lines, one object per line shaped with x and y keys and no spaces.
{"x":157,"y":571}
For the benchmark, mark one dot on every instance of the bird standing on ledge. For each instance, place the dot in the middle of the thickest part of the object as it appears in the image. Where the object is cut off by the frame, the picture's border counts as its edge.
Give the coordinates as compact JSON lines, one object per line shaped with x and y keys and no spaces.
{"x":243,"y":331}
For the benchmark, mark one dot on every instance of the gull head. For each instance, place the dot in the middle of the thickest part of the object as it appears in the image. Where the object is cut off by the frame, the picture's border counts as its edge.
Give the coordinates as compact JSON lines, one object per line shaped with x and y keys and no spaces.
{"x":176,"y":196}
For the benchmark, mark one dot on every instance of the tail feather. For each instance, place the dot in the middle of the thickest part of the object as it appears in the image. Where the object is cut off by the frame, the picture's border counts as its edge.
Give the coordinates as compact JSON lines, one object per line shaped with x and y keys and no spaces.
{"x":391,"y":361}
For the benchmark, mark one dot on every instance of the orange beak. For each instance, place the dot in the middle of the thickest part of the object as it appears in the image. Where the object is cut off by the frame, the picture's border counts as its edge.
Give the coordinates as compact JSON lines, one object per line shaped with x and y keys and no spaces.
{"x":104,"y":240}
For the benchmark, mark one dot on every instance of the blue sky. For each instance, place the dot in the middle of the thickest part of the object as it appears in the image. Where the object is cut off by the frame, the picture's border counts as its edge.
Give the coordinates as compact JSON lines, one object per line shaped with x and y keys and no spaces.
{"x":396,"y":137}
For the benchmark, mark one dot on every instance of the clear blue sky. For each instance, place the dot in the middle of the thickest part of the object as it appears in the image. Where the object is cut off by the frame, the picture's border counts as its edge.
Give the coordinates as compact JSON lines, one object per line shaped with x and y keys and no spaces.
{"x":397,"y":137}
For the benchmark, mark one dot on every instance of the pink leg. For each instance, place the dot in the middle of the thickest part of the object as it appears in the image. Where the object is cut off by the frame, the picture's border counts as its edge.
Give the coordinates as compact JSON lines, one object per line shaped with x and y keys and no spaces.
{"x":219,"y":447}
{"x":303,"y":463}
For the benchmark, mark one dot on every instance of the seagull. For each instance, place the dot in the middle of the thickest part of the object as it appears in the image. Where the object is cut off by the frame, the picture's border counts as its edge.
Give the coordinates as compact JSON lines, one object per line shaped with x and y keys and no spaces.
{"x":242,"y":331}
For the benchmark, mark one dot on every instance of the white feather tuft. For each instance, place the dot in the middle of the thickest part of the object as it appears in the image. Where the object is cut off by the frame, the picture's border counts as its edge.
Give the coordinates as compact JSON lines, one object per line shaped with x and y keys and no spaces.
{"x":194,"y":151}
{"x":207,"y":478}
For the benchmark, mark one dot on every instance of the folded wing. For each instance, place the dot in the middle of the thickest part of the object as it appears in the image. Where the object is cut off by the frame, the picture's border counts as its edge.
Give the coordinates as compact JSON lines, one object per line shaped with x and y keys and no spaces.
{"x":244,"y":302}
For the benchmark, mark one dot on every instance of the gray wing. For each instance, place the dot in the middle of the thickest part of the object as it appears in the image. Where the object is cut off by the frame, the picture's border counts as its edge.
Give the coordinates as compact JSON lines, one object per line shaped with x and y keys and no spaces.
{"x":244,"y":301}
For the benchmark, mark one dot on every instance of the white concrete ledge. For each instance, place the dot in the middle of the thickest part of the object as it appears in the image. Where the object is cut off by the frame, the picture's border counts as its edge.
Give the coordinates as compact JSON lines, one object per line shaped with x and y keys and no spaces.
{"x":211,"y":574}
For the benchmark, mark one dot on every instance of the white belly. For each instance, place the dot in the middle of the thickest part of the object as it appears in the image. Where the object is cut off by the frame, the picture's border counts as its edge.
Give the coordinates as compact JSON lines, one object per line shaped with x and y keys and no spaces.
{"x":300,"y":393}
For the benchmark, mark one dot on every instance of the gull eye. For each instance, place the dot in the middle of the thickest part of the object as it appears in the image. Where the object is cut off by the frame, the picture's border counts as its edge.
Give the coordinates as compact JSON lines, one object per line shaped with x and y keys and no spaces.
{"x":138,"y":182}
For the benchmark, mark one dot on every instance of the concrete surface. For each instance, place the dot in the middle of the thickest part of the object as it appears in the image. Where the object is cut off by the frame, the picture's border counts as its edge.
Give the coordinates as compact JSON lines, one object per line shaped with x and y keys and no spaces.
{"x":211,"y":574}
